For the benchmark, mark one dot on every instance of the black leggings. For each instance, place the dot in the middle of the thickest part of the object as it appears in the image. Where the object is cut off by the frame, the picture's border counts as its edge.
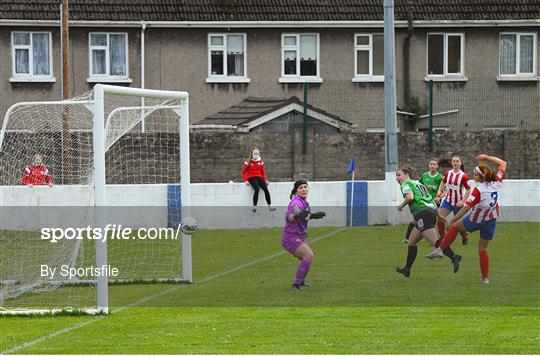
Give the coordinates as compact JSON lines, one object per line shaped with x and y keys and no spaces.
{"x":256,"y":183}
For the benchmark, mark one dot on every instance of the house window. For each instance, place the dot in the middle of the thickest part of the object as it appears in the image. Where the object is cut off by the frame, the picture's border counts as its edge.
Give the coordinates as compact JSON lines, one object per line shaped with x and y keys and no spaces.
{"x":445,"y":54}
{"x":369,"y":57}
{"x":227,"y":57}
{"x":300,"y":57}
{"x":517,"y":54}
{"x":108,"y":55}
{"x":31,"y":55}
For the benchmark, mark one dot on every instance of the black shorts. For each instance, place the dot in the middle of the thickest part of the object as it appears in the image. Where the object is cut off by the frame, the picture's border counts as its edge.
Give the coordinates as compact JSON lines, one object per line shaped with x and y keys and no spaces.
{"x":425,"y":219}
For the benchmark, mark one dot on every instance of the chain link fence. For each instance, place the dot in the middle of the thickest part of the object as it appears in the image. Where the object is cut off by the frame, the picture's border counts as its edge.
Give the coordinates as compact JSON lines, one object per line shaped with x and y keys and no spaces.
{"x":475,"y":104}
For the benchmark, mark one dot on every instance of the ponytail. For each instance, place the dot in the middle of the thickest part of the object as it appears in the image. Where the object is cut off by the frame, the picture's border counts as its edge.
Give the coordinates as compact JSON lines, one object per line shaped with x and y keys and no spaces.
{"x":445,"y":162}
{"x":492,"y":175}
{"x":487,"y":174}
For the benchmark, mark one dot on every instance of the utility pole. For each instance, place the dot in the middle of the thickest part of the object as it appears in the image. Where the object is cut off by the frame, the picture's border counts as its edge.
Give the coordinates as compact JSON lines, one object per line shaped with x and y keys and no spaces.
{"x":390,"y":119}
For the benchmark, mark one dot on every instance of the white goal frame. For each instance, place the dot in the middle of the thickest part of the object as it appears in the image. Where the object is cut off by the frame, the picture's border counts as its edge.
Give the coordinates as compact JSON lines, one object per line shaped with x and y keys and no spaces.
{"x":98,"y":109}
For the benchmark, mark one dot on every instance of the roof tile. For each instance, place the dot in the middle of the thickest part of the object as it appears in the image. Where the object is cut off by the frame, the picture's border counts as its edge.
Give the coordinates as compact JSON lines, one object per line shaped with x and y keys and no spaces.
{"x":269,"y":10}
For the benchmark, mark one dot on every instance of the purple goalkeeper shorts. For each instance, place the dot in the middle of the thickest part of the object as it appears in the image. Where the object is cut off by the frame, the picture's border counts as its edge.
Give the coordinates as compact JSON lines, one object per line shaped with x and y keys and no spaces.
{"x":292,"y":242}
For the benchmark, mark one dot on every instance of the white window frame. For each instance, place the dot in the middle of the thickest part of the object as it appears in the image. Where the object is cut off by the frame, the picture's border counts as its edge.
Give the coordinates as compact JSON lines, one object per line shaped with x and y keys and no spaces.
{"x":225,"y":78}
{"x":107,"y":78}
{"x":518,"y":47}
{"x":30,"y":77}
{"x":461,"y":73}
{"x":369,"y":48}
{"x":297,"y":78}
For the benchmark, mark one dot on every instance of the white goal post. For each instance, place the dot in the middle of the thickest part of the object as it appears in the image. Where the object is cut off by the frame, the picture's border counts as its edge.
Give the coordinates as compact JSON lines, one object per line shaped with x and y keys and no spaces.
{"x":99,"y":174}
{"x":104,"y":134}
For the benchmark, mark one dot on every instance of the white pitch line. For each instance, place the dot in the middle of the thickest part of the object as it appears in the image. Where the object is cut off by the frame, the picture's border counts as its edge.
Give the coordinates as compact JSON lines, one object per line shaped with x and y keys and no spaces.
{"x":150,"y":297}
{"x":50,"y":336}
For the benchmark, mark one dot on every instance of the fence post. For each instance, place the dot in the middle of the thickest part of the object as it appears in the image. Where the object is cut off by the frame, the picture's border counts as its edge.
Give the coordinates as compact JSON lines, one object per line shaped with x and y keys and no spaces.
{"x":430,"y":132}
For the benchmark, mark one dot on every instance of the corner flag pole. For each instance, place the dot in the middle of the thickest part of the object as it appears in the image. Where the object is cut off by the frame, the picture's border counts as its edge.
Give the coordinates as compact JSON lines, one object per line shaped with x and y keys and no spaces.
{"x":352,"y":199}
{"x":351,"y":170}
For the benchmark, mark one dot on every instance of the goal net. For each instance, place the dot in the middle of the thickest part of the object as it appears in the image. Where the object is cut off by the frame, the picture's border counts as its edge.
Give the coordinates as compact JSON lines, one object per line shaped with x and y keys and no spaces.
{"x":115,"y":163}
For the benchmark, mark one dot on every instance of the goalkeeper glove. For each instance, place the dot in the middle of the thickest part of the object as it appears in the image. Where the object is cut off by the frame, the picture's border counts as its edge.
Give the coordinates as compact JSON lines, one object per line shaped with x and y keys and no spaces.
{"x":317,"y":215}
{"x":300,"y":214}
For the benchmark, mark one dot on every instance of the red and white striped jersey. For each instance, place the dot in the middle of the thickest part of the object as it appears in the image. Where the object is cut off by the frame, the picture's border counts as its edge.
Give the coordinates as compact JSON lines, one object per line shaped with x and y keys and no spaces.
{"x":484,"y":200}
{"x":457,"y":184}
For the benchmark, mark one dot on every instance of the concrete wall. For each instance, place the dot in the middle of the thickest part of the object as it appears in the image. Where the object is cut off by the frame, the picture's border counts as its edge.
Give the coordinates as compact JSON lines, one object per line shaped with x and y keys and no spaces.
{"x":218,"y":157}
{"x":221,"y":205}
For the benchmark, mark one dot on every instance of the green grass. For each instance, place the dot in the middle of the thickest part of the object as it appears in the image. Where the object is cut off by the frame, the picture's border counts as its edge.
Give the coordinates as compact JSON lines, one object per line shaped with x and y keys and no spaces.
{"x":357,"y":303}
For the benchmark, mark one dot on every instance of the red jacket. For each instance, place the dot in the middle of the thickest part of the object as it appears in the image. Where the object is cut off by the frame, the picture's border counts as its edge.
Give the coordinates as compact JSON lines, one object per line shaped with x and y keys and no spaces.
{"x":253,"y":169}
{"x":36,"y":175}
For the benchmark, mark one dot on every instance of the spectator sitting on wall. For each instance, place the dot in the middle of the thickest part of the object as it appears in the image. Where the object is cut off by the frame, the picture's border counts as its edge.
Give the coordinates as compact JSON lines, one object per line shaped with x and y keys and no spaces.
{"x":36,"y":174}
{"x":254,"y":175}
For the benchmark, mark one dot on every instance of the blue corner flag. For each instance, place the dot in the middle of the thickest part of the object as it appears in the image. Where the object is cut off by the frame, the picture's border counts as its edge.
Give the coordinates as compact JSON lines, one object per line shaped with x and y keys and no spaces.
{"x":351,"y":165}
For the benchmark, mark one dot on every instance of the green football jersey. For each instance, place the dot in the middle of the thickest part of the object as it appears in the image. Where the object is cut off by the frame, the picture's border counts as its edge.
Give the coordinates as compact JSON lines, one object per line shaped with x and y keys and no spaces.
{"x":421,"y":197}
{"x":427,"y":180}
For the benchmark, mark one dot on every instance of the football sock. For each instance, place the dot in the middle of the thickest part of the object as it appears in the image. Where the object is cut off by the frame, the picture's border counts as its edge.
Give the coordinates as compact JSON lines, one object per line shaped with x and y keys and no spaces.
{"x":409,"y":230}
{"x":449,"y":238}
{"x":449,"y":253}
{"x":438,"y":242}
{"x":464,"y":235}
{"x":411,"y":256}
{"x":302,"y":271}
{"x":484,"y":263}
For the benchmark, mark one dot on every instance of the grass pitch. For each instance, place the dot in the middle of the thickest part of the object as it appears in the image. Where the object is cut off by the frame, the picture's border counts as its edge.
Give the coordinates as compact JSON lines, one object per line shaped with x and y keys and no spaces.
{"x":241,"y":301}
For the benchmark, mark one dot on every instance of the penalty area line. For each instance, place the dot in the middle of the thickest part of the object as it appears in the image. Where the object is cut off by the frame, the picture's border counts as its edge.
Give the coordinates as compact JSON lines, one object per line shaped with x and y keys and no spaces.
{"x":153,"y":296}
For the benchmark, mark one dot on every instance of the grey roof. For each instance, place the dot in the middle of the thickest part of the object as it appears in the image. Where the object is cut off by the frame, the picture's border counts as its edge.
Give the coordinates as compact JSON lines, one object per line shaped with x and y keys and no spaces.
{"x":253,"y":108}
{"x":269,"y":10}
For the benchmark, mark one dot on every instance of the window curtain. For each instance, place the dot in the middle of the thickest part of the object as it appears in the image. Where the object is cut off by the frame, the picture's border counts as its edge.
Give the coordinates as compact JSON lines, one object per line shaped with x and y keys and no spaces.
{"x":308,"y":47}
{"x":22,"y":61}
{"x":508,"y":54}
{"x":22,"y":55}
{"x":235,"y":55}
{"x":526,"y":49}
{"x":98,"y":61}
{"x":40,"y":47}
{"x":117,"y":54}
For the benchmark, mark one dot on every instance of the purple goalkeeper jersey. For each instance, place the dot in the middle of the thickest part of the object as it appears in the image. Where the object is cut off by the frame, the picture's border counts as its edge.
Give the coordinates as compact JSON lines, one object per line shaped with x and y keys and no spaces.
{"x":297,"y":226}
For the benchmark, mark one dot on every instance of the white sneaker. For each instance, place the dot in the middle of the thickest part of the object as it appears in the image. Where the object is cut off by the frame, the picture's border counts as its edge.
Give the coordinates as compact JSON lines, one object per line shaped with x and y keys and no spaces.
{"x":437,"y":253}
{"x":485,"y":280}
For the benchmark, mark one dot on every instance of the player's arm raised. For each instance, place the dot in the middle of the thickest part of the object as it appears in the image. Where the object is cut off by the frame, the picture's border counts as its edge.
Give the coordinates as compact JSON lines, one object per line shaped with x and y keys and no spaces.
{"x":499,"y":162}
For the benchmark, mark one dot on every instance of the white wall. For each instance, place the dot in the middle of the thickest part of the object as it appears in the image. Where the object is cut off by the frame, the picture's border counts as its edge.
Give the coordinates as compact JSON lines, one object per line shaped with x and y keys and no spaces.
{"x":223,"y":205}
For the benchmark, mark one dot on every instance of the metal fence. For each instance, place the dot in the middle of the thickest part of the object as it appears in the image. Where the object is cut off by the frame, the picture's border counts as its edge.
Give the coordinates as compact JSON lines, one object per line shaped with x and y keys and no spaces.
{"x":475,"y":104}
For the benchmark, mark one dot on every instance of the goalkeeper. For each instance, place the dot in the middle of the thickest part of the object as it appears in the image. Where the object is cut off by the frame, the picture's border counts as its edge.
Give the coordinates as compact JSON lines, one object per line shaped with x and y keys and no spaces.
{"x":294,"y":237}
